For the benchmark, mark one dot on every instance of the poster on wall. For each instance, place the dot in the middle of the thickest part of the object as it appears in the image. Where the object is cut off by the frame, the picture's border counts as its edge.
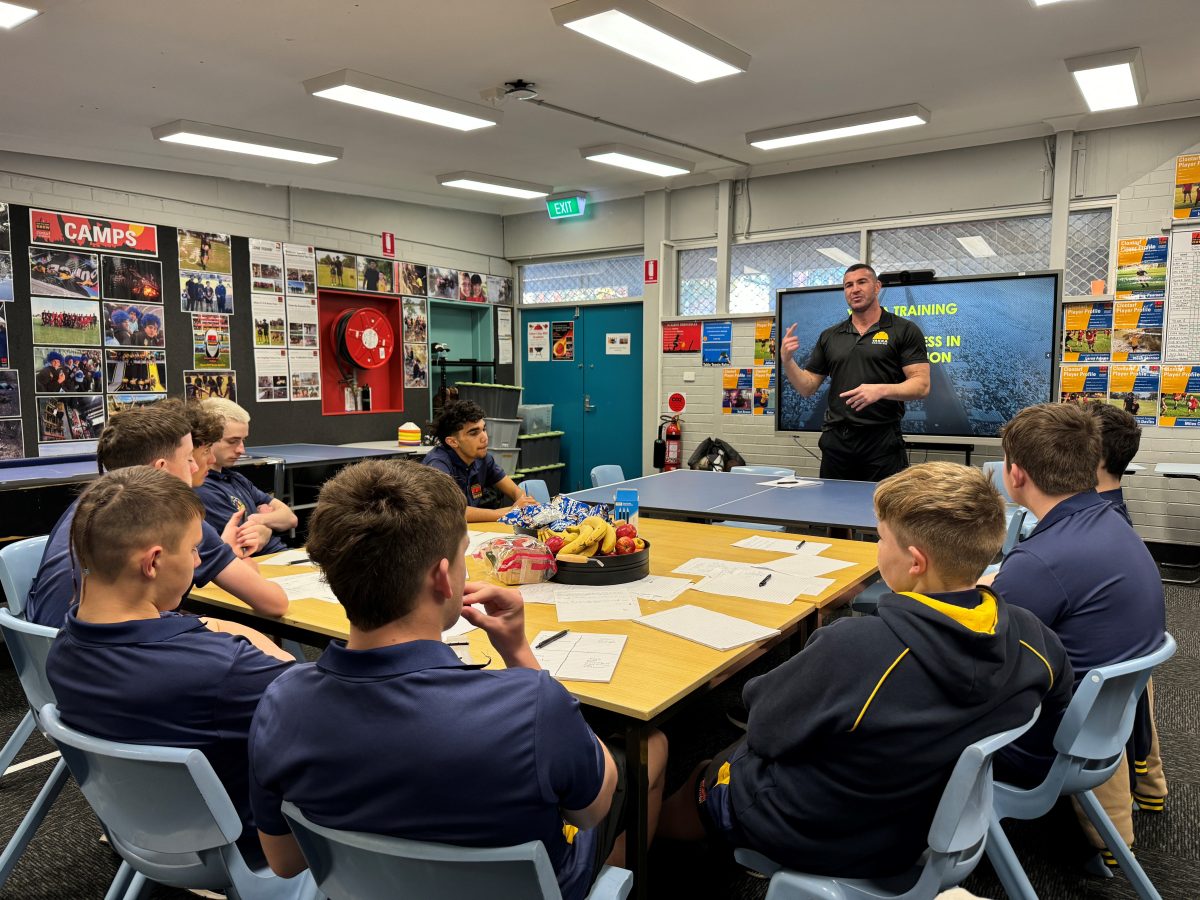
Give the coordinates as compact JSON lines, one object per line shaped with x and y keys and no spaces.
{"x":1135,"y":390}
{"x":305,"y":368}
{"x":68,"y":370}
{"x":3,"y":338}
{"x":61,"y":321}
{"x":562,"y":341}
{"x":618,"y":343}
{"x":504,"y":351}
{"x":1137,"y":331}
{"x":537,"y":341}
{"x":199,"y":385}
{"x":266,"y":266}
{"x":6,"y":278}
{"x":270,"y":375}
{"x":119,"y":402}
{"x":1142,"y":268}
{"x":205,"y":252}
{"x":764,"y":342}
{"x":206,"y":292}
{"x":411,"y":279}
{"x":504,"y":323}
{"x":680,"y":337}
{"x":302,"y":322}
{"x":1087,"y":332}
{"x":270,"y":327}
{"x":764,"y":390}
{"x":136,"y":371}
{"x":5,"y":230}
{"x":1084,"y":384}
{"x":472,"y":286}
{"x":12,"y":440}
{"x":92,"y":233}
{"x":133,"y":325}
{"x":375,"y":275}
{"x":63,"y":273}
{"x":1183,"y":298}
{"x":716,"y":343}
{"x":210,"y":342}
{"x":416,"y":325}
{"x":336,"y":270}
{"x":442,"y":283}
{"x":416,"y":365}
{"x":300,"y":270}
{"x":70,"y":418}
{"x":131,"y":278}
{"x":10,"y":394}
{"x":499,"y":290}
{"x":737,"y":392}
{"x":1187,"y":187}
{"x":1179,"y":403}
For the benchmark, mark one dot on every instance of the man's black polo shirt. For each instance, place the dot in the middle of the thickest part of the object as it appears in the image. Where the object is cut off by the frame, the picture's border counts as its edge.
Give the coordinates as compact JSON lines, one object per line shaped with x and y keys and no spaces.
{"x":877,"y":357}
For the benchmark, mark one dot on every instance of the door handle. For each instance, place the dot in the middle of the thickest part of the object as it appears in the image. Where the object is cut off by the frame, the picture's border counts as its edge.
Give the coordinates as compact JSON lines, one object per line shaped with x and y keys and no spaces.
{"x":588,"y":406}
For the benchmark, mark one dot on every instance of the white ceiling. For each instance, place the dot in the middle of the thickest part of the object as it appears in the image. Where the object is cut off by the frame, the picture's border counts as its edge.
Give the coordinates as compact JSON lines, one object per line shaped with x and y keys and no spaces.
{"x":88,"y":79}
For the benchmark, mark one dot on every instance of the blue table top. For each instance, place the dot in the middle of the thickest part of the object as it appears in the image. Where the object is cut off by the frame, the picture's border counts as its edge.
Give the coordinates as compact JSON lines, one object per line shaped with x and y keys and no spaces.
{"x":315,"y":454}
{"x":60,"y":469}
{"x":742,"y":497}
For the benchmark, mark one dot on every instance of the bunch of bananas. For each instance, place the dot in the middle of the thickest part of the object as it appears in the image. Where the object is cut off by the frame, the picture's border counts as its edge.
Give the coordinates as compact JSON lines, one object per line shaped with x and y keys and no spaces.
{"x":592,"y":535}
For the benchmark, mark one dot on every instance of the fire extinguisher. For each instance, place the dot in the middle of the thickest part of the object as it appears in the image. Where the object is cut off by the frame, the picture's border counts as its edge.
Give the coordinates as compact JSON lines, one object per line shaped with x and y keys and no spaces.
{"x":668,"y":447}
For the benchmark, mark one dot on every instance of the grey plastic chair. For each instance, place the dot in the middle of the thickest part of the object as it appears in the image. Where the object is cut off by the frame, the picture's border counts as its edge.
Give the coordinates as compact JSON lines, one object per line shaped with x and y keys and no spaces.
{"x":1090,"y":742}
{"x":19,"y":563}
{"x":956,"y":839}
{"x":995,"y":473}
{"x":775,"y":471}
{"x":602,"y":475}
{"x":376,"y":867}
{"x":537,"y":489}
{"x":168,"y":817}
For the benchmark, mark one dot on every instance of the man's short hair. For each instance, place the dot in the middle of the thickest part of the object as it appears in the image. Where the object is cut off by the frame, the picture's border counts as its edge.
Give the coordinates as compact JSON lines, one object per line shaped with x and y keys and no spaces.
{"x":1120,"y":437}
{"x":952,"y":512}
{"x":127,"y":510}
{"x":856,"y":267}
{"x":378,"y":528}
{"x":1058,"y":446}
{"x":453,"y":418}
{"x":207,"y":427}
{"x":227,"y":410}
{"x":140,"y":435}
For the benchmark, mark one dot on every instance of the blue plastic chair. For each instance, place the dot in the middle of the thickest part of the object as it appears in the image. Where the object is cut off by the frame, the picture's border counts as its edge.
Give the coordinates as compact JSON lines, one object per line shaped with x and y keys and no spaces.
{"x":957,"y":837}
{"x":774,"y":471}
{"x":168,"y":816}
{"x":376,"y":867}
{"x":537,"y":489}
{"x":602,"y":475}
{"x":1090,"y":742}
{"x":19,"y":563}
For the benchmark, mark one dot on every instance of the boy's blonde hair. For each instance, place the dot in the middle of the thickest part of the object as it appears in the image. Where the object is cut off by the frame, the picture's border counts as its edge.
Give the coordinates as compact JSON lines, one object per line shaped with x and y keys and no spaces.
{"x":952,"y":512}
{"x":227,"y":410}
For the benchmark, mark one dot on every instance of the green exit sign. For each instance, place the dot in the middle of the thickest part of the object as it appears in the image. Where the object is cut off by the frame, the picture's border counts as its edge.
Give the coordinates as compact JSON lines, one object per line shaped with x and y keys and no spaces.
{"x":566,"y":206}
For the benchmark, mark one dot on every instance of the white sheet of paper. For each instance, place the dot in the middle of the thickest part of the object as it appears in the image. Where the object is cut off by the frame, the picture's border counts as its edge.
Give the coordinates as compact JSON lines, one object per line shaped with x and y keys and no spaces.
{"x":779,"y":589}
{"x":712,"y":629}
{"x":806,"y":565}
{"x":306,"y":586}
{"x":580,"y":657}
{"x":787,"y":481}
{"x":542,"y":592}
{"x":659,"y":587}
{"x":475,"y":538}
{"x":573,"y":609}
{"x":286,"y":558}
{"x":779,"y":545}
{"x":703,"y":566}
{"x":458,"y":629}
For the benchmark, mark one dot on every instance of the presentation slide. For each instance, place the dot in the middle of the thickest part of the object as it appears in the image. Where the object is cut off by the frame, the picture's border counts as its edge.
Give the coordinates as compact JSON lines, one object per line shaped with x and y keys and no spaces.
{"x":991,"y":343}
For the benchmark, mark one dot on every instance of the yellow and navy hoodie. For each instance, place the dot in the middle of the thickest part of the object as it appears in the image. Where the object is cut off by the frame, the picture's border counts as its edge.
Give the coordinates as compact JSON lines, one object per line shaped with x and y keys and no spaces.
{"x":850,"y":743}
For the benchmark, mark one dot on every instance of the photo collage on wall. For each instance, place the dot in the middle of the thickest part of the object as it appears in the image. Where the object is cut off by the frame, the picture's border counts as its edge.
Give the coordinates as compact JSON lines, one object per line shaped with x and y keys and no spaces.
{"x":99,"y":333}
{"x":284,"y":279}
{"x":12,"y":442}
{"x":206,"y":294}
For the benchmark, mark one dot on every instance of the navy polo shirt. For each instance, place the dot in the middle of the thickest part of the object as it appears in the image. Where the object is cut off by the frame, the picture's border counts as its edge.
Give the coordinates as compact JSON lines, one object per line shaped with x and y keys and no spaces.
{"x":408,"y":742}
{"x":1117,"y":499}
{"x":1087,"y":575}
{"x":54,"y":587}
{"x":224,"y":492}
{"x":480,"y":474}
{"x":167,"y":681}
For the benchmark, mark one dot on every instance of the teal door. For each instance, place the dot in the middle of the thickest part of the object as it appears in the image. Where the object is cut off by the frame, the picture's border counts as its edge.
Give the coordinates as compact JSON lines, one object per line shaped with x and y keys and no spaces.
{"x":597,"y":394}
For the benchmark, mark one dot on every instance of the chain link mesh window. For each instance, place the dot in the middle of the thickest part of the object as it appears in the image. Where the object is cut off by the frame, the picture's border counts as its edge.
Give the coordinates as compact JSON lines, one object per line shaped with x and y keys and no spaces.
{"x":1013,"y":244}
{"x":698,"y":281}
{"x":582,"y":280}
{"x":757,"y":271}
{"x":1089,"y":239}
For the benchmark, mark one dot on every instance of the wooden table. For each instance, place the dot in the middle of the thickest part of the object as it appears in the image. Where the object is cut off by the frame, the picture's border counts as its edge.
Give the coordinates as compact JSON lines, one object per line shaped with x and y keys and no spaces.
{"x":657,"y":671}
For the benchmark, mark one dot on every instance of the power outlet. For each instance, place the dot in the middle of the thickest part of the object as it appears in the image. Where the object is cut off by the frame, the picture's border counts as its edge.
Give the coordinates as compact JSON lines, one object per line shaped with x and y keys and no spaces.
{"x":689,"y":377}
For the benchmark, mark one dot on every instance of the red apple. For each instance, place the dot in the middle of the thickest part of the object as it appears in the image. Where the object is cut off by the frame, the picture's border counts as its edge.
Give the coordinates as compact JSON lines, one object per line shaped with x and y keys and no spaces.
{"x":625,"y":545}
{"x":555,"y":544}
{"x":626,"y":530}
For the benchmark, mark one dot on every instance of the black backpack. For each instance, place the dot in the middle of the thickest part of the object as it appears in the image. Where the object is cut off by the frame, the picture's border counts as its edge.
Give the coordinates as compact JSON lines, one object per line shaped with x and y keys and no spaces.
{"x":715,"y":455}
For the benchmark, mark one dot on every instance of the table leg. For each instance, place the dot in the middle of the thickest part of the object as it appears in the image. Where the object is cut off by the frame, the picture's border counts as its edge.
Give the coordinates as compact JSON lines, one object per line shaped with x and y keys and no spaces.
{"x":637,"y":795}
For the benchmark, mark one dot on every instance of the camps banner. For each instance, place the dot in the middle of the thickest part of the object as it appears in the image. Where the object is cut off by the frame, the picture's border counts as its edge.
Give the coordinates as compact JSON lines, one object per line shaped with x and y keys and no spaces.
{"x":68,"y":230}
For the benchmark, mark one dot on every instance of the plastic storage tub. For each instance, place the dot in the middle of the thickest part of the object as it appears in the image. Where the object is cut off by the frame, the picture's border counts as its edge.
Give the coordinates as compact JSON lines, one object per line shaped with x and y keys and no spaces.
{"x":499,"y":401}
{"x":502,"y":434}
{"x":552,"y":475}
{"x":540,"y":449}
{"x":536,"y":417}
{"x":507,"y":459}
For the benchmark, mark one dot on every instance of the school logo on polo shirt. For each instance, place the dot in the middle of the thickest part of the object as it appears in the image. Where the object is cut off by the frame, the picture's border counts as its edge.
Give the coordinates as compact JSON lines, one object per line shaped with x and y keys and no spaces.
{"x":476,"y":491}
{"x":880,"y":338}
{"x":238,"y":505}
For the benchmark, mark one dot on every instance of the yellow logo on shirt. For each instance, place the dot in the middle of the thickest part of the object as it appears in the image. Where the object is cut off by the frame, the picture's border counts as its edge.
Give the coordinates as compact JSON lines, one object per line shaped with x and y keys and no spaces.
{"x":880,"y":338}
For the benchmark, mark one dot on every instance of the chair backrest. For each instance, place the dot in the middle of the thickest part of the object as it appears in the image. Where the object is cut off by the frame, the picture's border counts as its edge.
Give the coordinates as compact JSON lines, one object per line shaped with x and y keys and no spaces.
{"x":29,"y":645}
{"x":995,"y":471}
{"x":19,"y":562}
{"x":602,"y":475}
{"x":1014,"y":530}
{"x":537,"y":489}
{"x":372,"y":866}
{"x":777,"y":471}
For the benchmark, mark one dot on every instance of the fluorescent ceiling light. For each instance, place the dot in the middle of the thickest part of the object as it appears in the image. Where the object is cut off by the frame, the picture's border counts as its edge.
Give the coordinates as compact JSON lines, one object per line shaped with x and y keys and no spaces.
{"x":12,"y":15}
{"x":1044,"y":2}
{"x":653,"y":35}
{"x":369,"y":92}
{"x":977,"y":246}
{"x":838,"y":256}
{"x":1110,"y":80}
{"x":492,"y":184}
{"x":839,"y":127}
{"x":628,"y":157}
{"x":218,"y":137}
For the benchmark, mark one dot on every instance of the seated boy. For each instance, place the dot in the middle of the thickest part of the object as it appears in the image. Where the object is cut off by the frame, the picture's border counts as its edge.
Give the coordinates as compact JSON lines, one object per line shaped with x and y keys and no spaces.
{"x":161,"y":438}
{"x":390,"y":733}
{"x":1120,"y":437}
{"x":125,"y":666}
{"x":226,"y":490}
{"x":461,"y":453}
{"x":850,"y":743}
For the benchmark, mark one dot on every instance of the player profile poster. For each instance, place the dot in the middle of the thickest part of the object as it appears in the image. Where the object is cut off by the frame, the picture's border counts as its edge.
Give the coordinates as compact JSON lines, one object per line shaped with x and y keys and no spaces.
{"x":1142,"y":268}
{"x":1179,"y":403}
{"x":737,"y":388}
{"x":1087,"y":332}
{"x":764,"y":390}
{"x":716,"y":343}
{"x":764,"y":342}
{"x":680,"y":337}
{"x":1084,"y":384}
{"x":1137,"y":331}
{"x":1135,"y":390}
{"x":68,"y":230}
{"x":1187,"y":186}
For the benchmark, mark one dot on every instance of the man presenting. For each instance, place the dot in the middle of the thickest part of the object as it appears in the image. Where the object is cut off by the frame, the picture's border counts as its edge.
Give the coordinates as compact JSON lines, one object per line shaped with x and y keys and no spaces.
{"x":874,"y":361}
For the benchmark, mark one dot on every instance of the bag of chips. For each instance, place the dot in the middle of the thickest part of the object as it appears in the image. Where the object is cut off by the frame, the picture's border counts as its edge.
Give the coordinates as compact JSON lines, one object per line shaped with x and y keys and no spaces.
{"x":517,"y":560}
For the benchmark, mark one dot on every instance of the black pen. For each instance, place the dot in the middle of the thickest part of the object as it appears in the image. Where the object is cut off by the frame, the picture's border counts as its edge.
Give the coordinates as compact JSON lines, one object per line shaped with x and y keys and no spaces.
{"x":300,"y":562}
{"x":763,"y":583}
{"x":550,"y":640}
{"x":801,"y":544}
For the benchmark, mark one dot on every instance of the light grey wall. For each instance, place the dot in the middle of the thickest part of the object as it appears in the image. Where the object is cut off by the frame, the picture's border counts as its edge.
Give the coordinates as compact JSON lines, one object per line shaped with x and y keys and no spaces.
{"x":615,"y":225}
